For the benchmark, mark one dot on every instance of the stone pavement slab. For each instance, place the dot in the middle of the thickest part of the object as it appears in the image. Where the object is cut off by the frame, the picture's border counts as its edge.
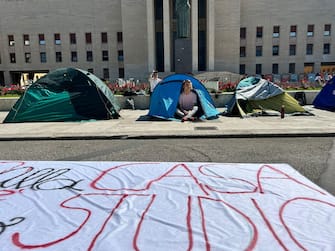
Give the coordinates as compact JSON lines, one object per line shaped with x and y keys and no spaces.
{"x":131,"y":125}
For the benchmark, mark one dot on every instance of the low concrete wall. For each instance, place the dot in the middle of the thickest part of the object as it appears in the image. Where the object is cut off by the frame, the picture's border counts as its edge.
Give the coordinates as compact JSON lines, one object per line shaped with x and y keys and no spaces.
{"x":7,"y":103}
{"x":220,"y":100}
{"x":310,"y":95}
{"x":142,"y":102}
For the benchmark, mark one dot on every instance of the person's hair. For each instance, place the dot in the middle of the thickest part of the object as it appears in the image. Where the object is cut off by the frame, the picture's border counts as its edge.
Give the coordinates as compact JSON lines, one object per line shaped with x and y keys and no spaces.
{"x":186,"y":81}
{"x":154,"y":72}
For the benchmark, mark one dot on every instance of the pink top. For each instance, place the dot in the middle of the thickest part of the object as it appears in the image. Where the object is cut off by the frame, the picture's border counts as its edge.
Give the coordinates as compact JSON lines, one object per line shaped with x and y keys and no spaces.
{"x":187,"y":101}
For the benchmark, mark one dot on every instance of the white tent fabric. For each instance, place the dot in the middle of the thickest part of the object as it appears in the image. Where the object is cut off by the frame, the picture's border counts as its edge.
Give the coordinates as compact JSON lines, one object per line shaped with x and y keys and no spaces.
{"x":161,"y":206}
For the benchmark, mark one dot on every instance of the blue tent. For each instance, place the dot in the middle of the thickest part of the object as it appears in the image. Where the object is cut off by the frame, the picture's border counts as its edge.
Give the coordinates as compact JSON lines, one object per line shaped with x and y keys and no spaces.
{"x":165,"y":97}
{"x":325,"y":100}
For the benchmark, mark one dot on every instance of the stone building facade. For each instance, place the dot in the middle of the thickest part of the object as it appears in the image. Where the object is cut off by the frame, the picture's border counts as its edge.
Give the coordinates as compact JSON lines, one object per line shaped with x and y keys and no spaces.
{"x":129,"y":38}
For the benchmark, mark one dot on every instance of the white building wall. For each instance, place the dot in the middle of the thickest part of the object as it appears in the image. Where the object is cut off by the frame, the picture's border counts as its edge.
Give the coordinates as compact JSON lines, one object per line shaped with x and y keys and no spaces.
{"x":227,"y":35}
{"x":286,"y":13}
{"x":63,"y":17}
{"x":225,"y":17}
{"x":135,"y":38}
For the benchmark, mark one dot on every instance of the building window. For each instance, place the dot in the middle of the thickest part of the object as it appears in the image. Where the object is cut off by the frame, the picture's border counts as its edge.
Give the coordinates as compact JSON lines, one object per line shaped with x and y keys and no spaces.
{"x":259,"y":51}
{"x":309,"y":49}
{"x":104,"y":55}
{"x":243,"y":33}
{"x":41,"y":39}
{"x":259,"y":69}
{"x":57,"y":38}
{"x":242,"y":68}
{"x":26,"y":40}
{"x":291,"y":68}
{"x":11,"y":41}
{"x":121,"y":72}
{"x":89,"y":56}
{"x":308,"y":67}
{"x":326,"y":48}
{"x":74,"y":56}
{"x":12,"y":58}
{"x":119,"y":37}
{"x":90,"y":70}
{"x":293,"y":49}
{"x":259,"y":32}
{"x":327,"y":30}
{"x":58,"y":56}
{"x":242,"y":52}
{"x":293,"y":31}
{"x":105,"y":73}
{"x":120,"y":55}
{"x":275,"y":68}
{"x":73,"y":39}
{"x":88,"y":38}
{"x":276,"y":30}
{"x":104,"y":38}
{"x":43,"y":57}
{"x":27,"y":57}
{"x":275,"y":50}
{"x":310,"y":30}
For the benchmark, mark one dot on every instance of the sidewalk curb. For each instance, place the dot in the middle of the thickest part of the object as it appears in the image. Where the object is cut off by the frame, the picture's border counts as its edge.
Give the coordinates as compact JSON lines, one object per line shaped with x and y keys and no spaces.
{"x":172,"y":136}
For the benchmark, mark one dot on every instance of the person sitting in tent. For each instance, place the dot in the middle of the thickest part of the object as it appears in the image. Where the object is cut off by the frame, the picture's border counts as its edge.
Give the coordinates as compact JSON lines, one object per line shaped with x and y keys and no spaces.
{"x":188,"y":102}
{"x":164,"y":100}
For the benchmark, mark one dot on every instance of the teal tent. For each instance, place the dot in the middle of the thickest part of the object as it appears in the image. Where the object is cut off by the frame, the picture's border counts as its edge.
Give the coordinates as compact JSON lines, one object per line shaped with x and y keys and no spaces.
{"x":66,"y":94}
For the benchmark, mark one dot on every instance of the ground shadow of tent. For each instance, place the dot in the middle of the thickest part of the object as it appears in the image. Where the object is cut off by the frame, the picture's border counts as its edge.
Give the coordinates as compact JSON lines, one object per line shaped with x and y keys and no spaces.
{"x":255,"y":96}
{"x":325,"y":100}
{"x":164,"y":99}
{"x":66,"y":94}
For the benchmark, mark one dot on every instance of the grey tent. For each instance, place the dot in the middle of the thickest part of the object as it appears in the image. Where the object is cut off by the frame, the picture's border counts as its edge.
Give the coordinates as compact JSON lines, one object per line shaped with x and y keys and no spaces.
{"x":256,"y":96}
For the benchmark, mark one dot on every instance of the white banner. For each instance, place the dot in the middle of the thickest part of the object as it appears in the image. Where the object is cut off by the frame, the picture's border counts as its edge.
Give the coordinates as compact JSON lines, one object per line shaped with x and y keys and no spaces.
{"x":161,"y":206}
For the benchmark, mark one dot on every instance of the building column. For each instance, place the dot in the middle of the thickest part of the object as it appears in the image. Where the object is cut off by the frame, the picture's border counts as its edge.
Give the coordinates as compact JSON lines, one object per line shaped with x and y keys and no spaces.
{"x":194,"y":34}
{"x":167,"y":36}
{"x":210,"y":34}
{"x":7,"y":78}
{"x":151,"y":35}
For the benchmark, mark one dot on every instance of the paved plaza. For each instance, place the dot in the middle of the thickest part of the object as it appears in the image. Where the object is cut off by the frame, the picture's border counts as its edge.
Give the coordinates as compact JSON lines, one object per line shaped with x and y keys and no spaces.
{"x":135,"y":124}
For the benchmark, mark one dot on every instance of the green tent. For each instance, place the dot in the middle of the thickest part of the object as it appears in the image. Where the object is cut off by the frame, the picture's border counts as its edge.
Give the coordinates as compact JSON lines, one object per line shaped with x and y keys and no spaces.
{"x":255,"y":96}
{"x":66,"y":94}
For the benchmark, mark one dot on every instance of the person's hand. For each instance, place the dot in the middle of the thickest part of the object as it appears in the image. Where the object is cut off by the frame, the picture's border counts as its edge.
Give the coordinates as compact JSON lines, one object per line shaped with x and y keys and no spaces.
{"x":184,"y":119}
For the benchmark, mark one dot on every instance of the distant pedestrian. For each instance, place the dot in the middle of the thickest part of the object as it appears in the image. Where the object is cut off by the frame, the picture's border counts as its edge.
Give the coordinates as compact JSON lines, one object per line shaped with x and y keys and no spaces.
{"x":318,"y":79}
{"x":154,"y":80}
{"x":328,"y":77}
